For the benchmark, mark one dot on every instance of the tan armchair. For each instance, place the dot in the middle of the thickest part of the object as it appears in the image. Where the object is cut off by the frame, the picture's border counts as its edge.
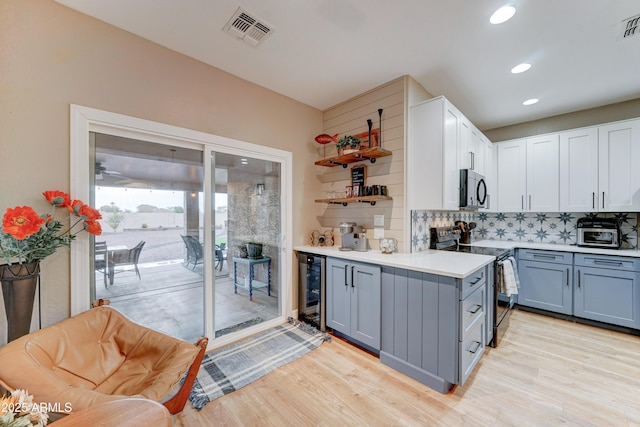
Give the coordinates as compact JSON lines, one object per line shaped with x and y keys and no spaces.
{"x":99,"y":356}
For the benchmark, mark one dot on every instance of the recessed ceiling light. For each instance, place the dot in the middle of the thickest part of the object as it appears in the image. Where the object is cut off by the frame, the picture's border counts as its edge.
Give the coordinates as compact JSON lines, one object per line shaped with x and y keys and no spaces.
{"x":530,"y":101}
{"x":502,"y":15}
{"x":520,"y":68}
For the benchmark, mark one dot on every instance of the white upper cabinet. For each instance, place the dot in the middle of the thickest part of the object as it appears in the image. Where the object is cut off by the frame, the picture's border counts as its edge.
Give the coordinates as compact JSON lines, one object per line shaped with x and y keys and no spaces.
{"x":528,"y":174}
{"x":470,"y":147}
{"x":619,"y":166}
{"x":490,"y":171}
{"x":512,"y":175}
{"x":543,"y":157}
{"x":579,"y":170}
{"x":432,"y":156}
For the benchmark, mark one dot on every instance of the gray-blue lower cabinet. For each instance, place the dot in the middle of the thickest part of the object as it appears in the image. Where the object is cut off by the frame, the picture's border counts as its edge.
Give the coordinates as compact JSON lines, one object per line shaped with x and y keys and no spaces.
{"x":546,"y":286}
{"x":430,"y":332}
{"x":607,"y":289}
{"x":353,"y":300}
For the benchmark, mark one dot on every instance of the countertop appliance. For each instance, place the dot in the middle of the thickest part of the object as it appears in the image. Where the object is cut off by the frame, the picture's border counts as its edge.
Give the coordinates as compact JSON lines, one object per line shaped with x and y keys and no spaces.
{"x":473,"y":190}
{"x":312,"y":290}
{"x":599,"y":232}
{"x":353,"y":237}
{"x":447,"y":238}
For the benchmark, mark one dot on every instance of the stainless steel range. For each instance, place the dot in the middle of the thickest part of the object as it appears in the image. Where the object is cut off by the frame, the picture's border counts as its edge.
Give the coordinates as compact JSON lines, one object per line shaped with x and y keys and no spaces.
{"x":447,"y":239}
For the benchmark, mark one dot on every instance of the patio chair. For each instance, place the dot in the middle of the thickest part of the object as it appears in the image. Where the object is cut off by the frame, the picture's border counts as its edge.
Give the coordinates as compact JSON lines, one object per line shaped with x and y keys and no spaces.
{"x":195,"y":254}
{"x":100,"y":259}
{"x":123,"y":258}
{"x":220,"y":256}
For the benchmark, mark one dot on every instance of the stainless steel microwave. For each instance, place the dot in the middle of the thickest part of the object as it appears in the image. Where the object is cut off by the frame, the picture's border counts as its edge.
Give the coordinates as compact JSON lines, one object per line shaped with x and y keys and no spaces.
{"x":473,"y":190}
{"x":599,"y":232}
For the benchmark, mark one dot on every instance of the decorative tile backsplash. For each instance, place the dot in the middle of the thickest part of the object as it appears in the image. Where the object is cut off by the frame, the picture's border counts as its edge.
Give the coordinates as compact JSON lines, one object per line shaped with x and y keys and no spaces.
{"x":534,"y":227}
{"x":421,"y":221}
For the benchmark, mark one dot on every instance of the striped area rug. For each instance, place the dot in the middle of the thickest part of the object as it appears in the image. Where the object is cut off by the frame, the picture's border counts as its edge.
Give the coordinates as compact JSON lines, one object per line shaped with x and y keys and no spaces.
{"x":232,"y":367}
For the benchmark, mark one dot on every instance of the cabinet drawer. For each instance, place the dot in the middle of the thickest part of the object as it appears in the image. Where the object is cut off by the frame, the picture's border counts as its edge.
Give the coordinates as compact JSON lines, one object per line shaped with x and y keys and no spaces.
{"x":471,"y":310}
{"x":472,"y":282}
{"x":607,"y":261}
{"x":470,"y":350}
{"x":545,"y":256}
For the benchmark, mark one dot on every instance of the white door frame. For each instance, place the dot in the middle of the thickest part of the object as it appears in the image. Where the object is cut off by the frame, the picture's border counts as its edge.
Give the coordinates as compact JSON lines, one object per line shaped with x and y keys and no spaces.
{"x":85,"y":120}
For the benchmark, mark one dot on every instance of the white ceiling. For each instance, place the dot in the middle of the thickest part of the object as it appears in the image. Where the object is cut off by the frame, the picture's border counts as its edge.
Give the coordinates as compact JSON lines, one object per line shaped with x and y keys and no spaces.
{"x":323,"y":52}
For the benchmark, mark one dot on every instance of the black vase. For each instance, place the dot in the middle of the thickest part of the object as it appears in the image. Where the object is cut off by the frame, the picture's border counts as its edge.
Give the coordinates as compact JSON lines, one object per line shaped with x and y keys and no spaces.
{"x":19,"y":283}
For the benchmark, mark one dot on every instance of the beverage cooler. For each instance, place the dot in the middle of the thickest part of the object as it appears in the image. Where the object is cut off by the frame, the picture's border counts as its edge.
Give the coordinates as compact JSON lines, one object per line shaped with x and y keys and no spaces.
{"x":311,"y":290}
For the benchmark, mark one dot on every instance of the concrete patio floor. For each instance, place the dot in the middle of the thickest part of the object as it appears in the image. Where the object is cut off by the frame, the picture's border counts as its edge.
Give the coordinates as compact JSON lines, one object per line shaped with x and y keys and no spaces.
{"x":169,"y":298}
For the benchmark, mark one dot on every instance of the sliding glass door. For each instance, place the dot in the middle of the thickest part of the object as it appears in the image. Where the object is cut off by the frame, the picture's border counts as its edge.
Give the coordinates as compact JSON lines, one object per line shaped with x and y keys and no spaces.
{"x":196,"y":227}
{"x":248,"y":234}
{"x":150,"y":198}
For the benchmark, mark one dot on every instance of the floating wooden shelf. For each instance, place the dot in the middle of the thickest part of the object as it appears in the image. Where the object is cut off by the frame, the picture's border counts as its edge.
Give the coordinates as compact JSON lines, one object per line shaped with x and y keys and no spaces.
{"x":370,"y":154}
{"x":362,"y":199}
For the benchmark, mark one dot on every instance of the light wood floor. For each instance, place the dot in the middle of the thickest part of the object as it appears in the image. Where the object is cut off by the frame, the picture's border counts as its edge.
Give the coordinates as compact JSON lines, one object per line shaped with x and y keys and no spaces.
{"x":546,"y":372}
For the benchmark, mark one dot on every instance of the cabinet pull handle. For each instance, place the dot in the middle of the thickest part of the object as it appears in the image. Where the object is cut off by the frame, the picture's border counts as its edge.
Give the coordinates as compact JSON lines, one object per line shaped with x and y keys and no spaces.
{"x":522,"y":201}
{"x":346,"y":282}
{"x":476,"y":281}
{"x":593,"y":200}
{"x":352,"y":268}
{"x":475,"y":309}
{"x":544,"y":256}
{"x":578,"y":279}
{"x":473,"y":160}
{"x":603,"y":200}
{"x":603,"y":262}
{"x":478,"y":344}
{"x":567,"y":277}
{"x":529,"y":201}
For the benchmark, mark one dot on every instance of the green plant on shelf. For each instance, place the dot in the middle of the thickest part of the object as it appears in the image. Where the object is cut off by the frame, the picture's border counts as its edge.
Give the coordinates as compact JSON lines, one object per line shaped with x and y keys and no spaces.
{"x":348,"y":141}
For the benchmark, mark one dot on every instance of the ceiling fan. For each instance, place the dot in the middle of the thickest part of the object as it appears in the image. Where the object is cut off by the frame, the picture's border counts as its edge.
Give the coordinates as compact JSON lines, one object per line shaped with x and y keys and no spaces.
{"x":102,"y":171}
{"x":118,"y":179}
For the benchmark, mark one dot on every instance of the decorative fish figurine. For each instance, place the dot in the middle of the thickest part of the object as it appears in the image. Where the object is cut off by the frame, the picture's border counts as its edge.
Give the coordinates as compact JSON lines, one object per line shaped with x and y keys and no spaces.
{"x":325,"y":139}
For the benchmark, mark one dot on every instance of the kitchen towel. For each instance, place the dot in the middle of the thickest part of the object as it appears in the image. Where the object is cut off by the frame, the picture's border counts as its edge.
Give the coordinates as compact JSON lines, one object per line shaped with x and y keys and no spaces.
{"x":230,"y":368}
{"x":510,"y":276}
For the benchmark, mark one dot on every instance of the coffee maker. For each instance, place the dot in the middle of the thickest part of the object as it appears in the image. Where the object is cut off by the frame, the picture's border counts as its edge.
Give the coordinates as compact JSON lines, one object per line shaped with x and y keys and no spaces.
{"x":353,"y":237}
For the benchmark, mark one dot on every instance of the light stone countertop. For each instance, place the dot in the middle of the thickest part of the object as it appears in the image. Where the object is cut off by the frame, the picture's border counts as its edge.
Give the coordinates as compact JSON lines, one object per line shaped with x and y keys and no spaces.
{"x":452,"y":264}
{"x":443,"y":263}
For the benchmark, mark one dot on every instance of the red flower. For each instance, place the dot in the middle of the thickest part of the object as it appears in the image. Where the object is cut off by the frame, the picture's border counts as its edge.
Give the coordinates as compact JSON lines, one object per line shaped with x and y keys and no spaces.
{"x":74,"y":207}
{"x":93,"y":227}
{"x":21,"y":222}
{"x":57,"y":198}
{"x":89,"y":213}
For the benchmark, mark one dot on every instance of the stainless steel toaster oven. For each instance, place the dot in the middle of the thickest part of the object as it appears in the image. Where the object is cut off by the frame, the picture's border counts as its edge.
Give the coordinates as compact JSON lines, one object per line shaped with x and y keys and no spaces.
{"x":599,"y":232}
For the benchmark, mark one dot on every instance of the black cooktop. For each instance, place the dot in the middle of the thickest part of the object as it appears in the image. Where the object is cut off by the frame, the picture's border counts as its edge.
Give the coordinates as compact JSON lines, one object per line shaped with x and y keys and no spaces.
{"x":482,"y":250}
{"x":446,"y":239}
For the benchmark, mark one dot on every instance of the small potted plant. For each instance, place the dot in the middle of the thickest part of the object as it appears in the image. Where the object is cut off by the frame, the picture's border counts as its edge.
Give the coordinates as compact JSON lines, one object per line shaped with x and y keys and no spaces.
{"x":254,"y":250}
{"x":242,"y":250}
{"x":348,"y":144}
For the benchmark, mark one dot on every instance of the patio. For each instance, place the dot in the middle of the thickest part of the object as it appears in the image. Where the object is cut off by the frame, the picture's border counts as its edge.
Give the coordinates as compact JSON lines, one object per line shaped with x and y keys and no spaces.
{"x":168,"y":297}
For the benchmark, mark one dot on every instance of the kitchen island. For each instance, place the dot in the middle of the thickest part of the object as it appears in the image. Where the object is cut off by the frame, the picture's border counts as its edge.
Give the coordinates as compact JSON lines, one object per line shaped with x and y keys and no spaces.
{"x":423,"y":313}
{"x":444,"y":263}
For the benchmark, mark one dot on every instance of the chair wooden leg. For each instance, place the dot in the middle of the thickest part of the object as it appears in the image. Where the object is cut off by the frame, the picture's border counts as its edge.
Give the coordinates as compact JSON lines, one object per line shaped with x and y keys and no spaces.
{"x":177,"y":402}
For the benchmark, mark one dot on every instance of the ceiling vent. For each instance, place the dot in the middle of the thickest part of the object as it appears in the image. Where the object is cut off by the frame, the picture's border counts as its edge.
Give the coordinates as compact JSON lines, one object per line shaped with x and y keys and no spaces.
{"x":247,"y":27}
{"x":630,"y":27}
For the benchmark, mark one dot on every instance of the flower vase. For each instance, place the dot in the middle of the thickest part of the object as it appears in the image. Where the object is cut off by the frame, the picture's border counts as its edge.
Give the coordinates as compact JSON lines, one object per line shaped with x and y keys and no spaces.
{"x":19,"y":283}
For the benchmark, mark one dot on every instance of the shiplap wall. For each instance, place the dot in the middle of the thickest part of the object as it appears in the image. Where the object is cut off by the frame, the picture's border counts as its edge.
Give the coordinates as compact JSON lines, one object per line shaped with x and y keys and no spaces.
{"x":348,"y":118}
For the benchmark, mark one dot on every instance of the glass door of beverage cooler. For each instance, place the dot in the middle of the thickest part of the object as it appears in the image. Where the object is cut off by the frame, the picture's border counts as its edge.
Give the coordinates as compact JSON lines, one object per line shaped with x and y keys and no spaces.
{"x":311,"y":291}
